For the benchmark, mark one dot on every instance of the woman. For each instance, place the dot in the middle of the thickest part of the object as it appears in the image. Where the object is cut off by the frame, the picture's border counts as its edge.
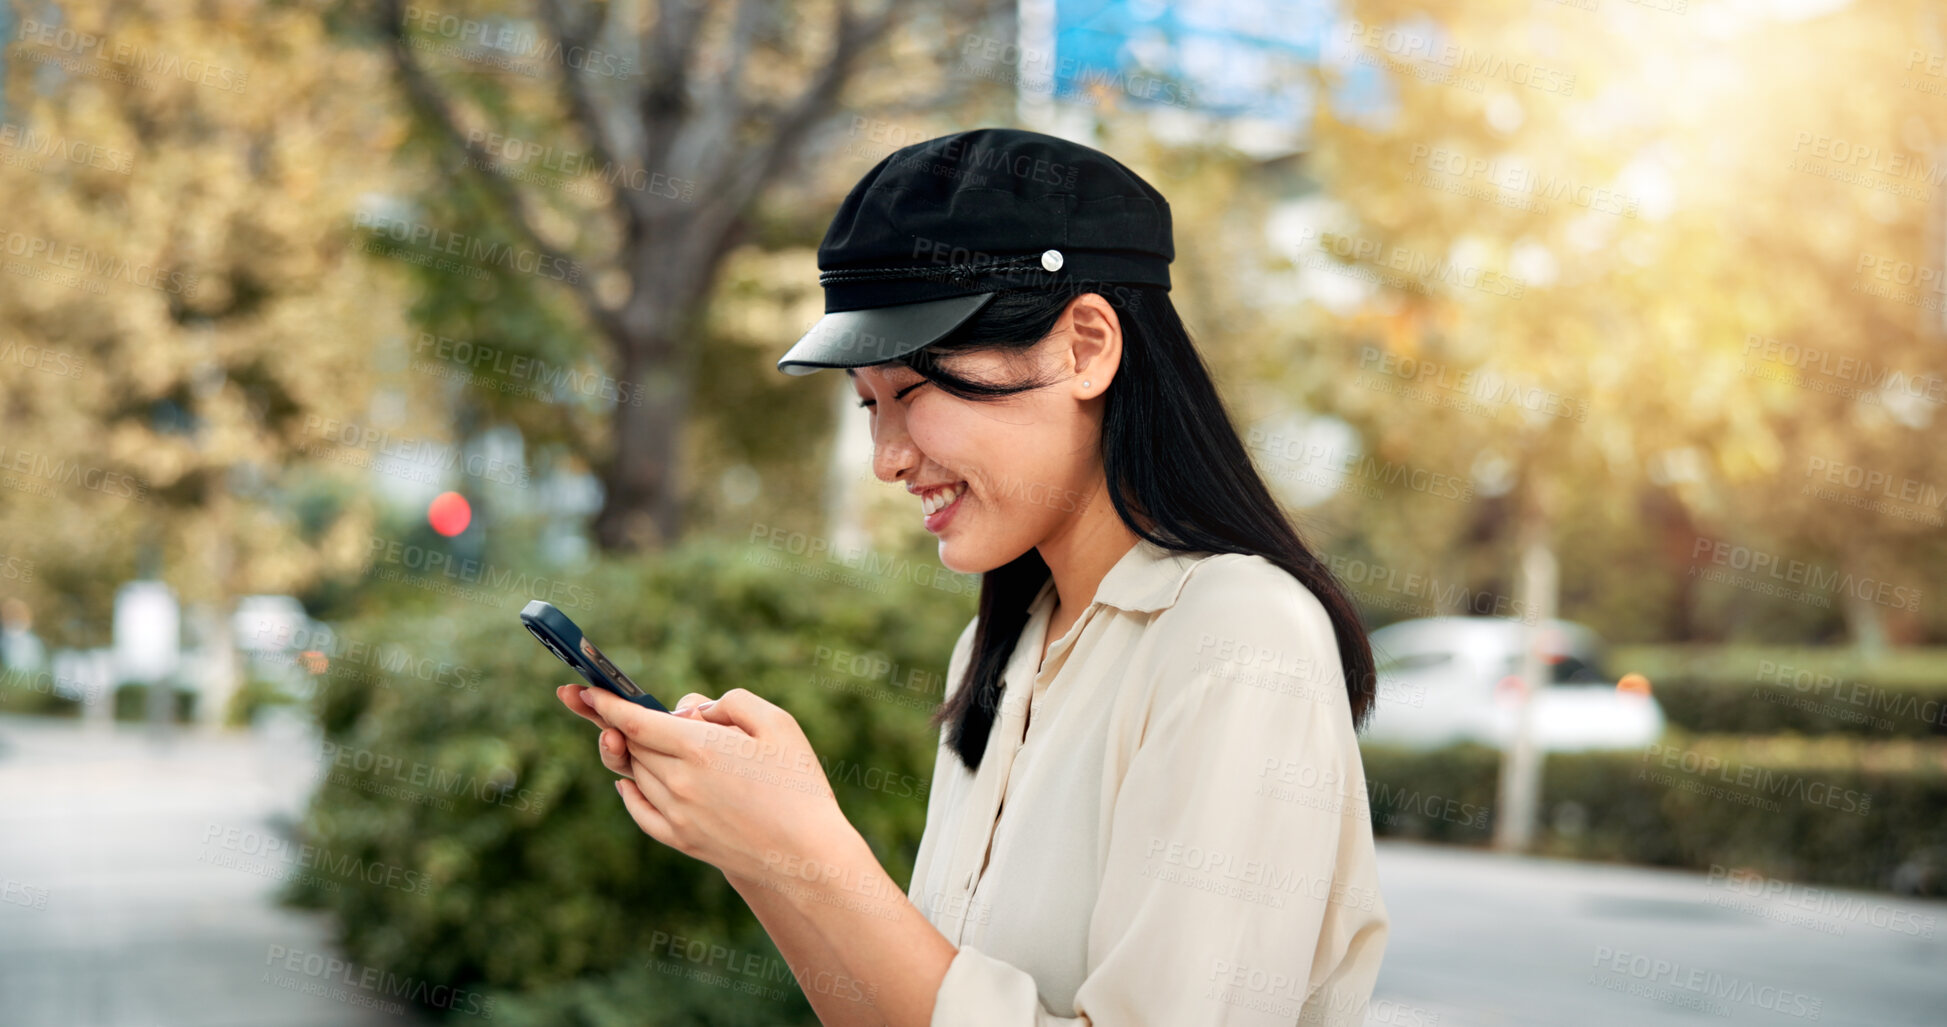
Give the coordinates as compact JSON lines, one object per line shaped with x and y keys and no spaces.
{"x":1148,"y":806}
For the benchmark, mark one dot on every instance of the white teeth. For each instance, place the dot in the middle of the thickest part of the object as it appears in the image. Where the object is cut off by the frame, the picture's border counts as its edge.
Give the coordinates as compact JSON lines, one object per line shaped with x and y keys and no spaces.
{"x":935,"y":502}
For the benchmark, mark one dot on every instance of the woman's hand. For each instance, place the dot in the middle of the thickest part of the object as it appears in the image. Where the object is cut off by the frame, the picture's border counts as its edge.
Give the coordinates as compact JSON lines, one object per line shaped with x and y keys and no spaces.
{"x":610,"y":743}
{"x":732,"y":782}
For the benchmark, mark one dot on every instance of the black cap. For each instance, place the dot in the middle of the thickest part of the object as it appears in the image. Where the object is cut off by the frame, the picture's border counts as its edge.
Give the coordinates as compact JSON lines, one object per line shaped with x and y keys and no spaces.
{"x":926,"y":237}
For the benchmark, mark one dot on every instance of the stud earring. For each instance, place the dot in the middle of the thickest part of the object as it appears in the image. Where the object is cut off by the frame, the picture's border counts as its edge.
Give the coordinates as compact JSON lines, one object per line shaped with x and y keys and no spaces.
{"x":1084,"y":385}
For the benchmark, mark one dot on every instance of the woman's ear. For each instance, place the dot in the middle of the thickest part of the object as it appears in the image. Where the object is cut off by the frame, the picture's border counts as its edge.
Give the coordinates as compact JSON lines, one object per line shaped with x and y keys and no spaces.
{"x":1095,"y":343}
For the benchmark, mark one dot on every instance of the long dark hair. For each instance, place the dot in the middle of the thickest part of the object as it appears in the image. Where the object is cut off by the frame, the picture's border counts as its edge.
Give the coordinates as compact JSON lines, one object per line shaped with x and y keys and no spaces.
{"x":1177,"y":474}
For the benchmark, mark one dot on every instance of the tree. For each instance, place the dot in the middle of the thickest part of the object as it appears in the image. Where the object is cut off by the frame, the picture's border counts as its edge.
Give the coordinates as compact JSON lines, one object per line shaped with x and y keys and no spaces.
{"x":688,"y":114}
{"x":1621,"y":217}
{"x":1618,"y":214}
{"x":182,"y":312}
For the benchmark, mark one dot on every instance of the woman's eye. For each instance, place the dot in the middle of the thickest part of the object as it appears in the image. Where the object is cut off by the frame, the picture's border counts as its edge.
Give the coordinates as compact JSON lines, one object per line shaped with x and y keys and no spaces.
{"x":896,"y":395}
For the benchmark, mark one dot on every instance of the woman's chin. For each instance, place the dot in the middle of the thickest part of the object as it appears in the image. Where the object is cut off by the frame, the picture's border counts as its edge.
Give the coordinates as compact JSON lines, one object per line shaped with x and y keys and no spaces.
{"x":951,"y":554}
{"x":966,"y":554}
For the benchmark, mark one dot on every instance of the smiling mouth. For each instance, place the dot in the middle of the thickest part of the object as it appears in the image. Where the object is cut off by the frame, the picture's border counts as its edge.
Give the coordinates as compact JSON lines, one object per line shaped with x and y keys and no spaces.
{"x":939,"y":499}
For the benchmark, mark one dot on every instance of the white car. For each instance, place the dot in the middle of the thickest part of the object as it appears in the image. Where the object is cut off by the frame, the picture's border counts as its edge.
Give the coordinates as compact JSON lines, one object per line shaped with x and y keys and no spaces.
{"x":1444,"y":680}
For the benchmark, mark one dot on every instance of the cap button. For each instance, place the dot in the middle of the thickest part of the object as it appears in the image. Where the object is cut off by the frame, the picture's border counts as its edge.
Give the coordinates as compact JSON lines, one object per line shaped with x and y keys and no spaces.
{"x":1051,"y":260}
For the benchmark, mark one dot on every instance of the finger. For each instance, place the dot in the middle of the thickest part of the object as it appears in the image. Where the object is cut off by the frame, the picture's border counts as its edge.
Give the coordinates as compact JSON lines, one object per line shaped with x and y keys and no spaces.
{"x":687,"y":702}
{"x":650,"y":769}
{"x":570,"y":696}
{"x":646,"y":815}
{"x":740,"y":707}
{"x":659,"y":730}
{"x":615,"y":751}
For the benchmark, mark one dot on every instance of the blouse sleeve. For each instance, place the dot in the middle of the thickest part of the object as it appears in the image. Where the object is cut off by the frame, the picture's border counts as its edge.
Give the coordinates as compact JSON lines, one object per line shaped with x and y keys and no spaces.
{"x":1239,"y":884}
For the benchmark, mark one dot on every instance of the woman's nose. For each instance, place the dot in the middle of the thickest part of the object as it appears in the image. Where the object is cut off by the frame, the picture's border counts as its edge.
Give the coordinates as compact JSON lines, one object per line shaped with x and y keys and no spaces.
{"x":893,"y":452}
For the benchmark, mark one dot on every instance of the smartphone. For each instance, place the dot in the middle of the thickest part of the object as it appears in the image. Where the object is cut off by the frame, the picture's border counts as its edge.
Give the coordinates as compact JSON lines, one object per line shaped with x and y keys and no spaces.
{"x":564,"y":639}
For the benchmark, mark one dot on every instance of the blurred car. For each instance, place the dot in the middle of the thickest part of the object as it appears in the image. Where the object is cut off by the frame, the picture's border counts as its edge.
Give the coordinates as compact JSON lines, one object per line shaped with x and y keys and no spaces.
{"x":1444,"y":680}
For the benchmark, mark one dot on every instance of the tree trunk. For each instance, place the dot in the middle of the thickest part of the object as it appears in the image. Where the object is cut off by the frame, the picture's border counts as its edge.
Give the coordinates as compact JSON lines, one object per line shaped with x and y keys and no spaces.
{"x":642,"y":504}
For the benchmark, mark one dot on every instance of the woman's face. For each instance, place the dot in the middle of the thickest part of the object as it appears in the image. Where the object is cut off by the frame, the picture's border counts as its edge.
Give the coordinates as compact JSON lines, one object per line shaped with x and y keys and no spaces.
{"x":1026,"y":466}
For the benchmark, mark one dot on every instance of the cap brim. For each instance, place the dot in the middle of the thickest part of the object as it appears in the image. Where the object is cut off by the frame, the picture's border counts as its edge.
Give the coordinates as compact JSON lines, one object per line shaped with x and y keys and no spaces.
{"x":874,"y":335}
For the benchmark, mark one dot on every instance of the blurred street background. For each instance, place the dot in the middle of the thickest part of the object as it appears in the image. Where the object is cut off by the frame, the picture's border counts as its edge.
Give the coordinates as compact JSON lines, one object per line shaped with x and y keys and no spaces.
{"x":1596,"y":344}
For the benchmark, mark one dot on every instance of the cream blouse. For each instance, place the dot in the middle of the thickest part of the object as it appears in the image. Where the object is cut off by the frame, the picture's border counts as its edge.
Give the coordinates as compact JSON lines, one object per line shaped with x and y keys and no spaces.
{"x":1182,"y":837}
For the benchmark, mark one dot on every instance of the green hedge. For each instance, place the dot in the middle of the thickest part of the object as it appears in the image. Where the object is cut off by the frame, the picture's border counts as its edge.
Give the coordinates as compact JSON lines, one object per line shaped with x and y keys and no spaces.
{"x":1835,"y":810}
{"x":1772,"y":690}
{"x":1847,"y":707}
{"x":466,"y":835}
{"x":132,"y":703}
{"x":508,"y":866}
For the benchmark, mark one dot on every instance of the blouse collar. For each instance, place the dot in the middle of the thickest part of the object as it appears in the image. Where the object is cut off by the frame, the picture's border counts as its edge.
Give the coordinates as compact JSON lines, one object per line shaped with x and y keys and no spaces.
{"x":1147,"y":578}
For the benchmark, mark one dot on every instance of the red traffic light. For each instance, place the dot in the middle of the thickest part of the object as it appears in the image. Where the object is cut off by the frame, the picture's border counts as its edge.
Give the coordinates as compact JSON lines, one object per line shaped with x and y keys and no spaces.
{"x":449,"y":514}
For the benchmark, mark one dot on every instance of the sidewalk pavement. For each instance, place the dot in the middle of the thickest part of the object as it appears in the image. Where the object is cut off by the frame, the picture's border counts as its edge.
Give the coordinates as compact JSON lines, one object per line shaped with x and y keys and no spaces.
{"x":114,"y":912}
